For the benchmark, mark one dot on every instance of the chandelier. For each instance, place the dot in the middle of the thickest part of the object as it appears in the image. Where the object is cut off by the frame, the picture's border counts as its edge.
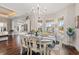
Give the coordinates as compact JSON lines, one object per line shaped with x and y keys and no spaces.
{"x":39,"y":11}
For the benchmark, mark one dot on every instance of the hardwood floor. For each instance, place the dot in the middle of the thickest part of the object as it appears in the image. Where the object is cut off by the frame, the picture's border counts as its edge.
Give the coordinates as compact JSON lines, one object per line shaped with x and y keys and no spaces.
{"x":12,"y":47}
{"x":71,"y":50}
{"x":9,"y":47}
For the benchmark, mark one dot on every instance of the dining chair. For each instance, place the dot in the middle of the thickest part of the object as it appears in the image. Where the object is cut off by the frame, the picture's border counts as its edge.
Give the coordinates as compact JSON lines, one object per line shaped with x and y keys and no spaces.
{"x":38,"y":45}
{"x":33,"y":45}
{"x":43,"y":42}
{"x":44,"y":47}
{"x":54,"y":49}
{"x":24,"y":44}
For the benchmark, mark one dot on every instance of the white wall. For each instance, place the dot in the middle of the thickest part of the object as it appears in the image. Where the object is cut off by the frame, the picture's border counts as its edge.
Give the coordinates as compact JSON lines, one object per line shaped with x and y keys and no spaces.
{"x":77,"y":30}
{"x":69,"y":14}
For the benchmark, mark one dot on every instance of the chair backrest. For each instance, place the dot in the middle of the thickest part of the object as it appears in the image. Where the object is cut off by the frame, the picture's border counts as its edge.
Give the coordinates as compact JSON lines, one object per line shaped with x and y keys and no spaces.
{"x":33,"y":42}
{"x":24,"y":41}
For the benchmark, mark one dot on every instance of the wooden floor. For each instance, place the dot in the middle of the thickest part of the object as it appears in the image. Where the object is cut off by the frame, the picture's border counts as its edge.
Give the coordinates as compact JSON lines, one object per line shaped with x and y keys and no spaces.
{"x":71,"y":50}
{"x":11,"y":47}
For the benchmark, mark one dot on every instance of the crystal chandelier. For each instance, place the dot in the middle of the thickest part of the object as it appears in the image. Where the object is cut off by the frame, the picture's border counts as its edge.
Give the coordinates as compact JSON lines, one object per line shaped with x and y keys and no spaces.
{"x":39,"y":11}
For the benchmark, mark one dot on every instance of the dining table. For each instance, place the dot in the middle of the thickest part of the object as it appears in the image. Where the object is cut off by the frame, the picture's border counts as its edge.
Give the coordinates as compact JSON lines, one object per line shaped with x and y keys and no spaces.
{"x":45,"y":41}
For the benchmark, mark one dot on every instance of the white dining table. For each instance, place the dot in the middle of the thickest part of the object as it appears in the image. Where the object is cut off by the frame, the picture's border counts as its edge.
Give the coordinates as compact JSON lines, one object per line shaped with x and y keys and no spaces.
{"x":45,"y":41}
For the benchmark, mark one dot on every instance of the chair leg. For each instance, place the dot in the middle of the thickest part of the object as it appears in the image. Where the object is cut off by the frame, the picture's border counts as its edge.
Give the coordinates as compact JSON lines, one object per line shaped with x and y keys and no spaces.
{"x":21,"y":51}
{"x":44,"y":52}
{"x":27,"y":51}
{"x":48,"y":52}
{"x":30,"y":52}
{"x":40,"y":52}
{"x":45,"y":49}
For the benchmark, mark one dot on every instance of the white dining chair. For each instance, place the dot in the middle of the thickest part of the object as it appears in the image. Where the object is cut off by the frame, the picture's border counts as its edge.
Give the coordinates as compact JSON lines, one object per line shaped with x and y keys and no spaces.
{"x":45,"y":43}
{"x":33,"y":45}
{"x":24,"y":44}
{"x":54,"y":50}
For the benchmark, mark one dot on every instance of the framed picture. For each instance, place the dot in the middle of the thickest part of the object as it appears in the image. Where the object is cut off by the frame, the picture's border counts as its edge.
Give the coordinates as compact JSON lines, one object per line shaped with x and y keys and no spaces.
{"x":77,"y":22}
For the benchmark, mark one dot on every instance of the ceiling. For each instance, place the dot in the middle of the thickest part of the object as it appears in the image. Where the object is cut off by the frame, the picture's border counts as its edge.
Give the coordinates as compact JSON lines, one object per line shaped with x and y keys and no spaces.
{"x":26,"y":8}
{"x":6,"y":12}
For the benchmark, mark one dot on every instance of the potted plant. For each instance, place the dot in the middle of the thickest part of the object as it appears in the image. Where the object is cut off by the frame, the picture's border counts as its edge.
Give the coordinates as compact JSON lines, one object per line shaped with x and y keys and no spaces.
{"x":70,"y":32}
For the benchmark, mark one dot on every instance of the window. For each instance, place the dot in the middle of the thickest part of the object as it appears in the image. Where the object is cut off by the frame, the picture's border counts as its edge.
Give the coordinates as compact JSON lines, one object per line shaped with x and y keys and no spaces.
{"x":3,"y":26}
